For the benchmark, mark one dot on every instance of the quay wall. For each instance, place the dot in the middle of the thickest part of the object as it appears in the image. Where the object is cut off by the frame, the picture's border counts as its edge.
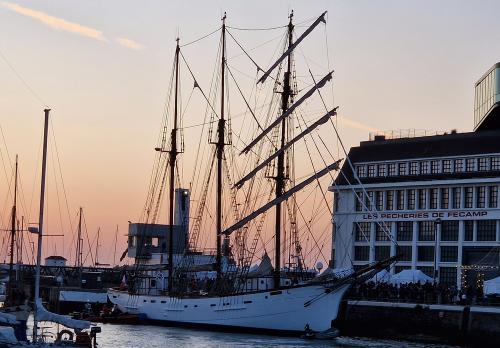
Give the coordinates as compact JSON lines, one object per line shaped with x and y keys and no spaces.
{"x":452,"y":324}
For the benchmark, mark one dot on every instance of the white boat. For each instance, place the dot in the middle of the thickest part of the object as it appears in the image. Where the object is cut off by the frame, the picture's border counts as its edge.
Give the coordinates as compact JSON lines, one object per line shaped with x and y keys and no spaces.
{"x":273,"y":299}
{"x":281,"y":311}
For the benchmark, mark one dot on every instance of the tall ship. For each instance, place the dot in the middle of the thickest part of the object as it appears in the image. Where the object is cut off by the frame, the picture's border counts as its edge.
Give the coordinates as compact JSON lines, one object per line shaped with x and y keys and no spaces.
{"x":178,"y":279}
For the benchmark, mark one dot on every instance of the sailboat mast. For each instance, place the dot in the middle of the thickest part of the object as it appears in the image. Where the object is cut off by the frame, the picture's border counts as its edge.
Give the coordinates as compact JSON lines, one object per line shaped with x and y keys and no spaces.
{"x":173,"y":158}
{"x":79,"y":240}
{"x":40,"y":222}
{"x":12,"y":239}
{"x":220,"y":152}
{"x":280,"y":175}
{"x":114,"y":251}
{"x":97,"y":248}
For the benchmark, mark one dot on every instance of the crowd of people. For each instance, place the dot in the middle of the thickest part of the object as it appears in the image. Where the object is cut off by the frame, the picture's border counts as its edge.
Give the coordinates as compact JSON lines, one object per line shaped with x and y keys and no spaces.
{"x":428,"y":292}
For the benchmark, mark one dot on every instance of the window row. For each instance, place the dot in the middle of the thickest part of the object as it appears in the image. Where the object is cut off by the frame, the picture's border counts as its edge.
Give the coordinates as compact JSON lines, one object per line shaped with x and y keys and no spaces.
{"x":428,"y":167}
{"x":424,"y":253}
{"x":486,"y":231}
{"x":428,"y":198}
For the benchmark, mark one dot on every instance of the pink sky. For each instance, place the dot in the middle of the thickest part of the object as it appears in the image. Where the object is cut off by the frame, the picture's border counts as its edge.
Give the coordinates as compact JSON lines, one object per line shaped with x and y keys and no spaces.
{"x":104,"y":67}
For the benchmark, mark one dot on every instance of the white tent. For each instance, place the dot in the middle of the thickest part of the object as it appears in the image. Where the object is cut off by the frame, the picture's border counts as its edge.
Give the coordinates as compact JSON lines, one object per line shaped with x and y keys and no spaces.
{"x":381,"y":277}
{"x":492,"y":286}
{"x":265,"y":268}
{"x":410,"y":276}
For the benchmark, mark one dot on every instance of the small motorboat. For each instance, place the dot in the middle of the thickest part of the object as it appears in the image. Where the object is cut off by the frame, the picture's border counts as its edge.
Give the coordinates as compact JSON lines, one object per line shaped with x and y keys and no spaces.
{"x":122,"y":318}
{"x":329,"y":334}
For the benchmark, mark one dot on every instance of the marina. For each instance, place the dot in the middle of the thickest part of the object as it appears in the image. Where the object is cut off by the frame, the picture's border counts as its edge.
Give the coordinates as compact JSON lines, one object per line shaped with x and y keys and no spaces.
{"x":249,"y":213}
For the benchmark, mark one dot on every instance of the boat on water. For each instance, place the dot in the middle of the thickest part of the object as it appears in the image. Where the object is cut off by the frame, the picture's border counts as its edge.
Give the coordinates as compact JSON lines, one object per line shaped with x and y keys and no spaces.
{"x":221,"y":290}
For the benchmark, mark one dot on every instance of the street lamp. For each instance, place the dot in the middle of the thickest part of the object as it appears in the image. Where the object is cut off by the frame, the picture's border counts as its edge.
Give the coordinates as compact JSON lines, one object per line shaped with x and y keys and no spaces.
{"x":437,"y":222}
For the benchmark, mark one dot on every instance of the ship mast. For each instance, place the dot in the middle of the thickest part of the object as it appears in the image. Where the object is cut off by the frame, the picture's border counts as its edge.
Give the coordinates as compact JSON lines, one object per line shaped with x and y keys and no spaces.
{"x":40,"y":223}
{"x":12,"y":238}
{"x":79,"y":246}
{"x":280,"y":174}
{"x":220,"y":152}
{"x":173,"y":157}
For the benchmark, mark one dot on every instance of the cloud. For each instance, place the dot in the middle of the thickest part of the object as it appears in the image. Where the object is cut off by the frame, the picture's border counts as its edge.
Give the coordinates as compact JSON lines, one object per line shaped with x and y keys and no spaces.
{"x":131,"y":44}
{"x":71,"y":27}
{"x":355,"y":124}
{"x":56,"y":23}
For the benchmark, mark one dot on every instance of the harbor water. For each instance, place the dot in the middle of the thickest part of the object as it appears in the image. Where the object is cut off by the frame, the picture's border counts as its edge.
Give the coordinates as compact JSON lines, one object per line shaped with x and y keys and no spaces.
{"x":157,"y":336}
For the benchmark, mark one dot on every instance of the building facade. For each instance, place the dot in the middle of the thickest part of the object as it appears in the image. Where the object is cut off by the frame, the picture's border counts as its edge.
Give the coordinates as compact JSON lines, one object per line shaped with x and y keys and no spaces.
{"x":431,"y":200}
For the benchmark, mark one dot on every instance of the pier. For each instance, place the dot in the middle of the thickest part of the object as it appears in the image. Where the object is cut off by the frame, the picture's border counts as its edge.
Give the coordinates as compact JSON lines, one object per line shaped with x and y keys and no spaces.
{"x":477,"y":326}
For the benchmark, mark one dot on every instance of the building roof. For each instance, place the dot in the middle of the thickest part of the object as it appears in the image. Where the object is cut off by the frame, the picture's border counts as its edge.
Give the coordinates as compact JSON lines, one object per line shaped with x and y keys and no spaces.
{"x":55,"y":257}
{"x":496,"y":65}
{"x":446,"y":145}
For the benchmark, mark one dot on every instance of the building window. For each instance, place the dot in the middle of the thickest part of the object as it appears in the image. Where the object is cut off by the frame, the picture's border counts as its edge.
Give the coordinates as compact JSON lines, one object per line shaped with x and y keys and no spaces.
{"x":468,"y":230}
{"x":424,"y":167}
{"x":446,"y":166}
{"x":449,"y":254}
{"x":361,"y":171}
{"x":379,"y":200}
{"x":382,"y":170}
{"x":371,"y":170}
{"x":404,"y":231}
{"x":426,"y":231}
{"x":369,"y":200}
{"x":449,"y":231}
{"x":389,"y":200}
{"x":392,"y":169}
{"x":411,"y":199}
{"x":362,"y":231}
{"x":434,"y":198}
{"x":486,"y":230}
{"x":382,"y":252}
{"x":382,"y":232}
{"x":459,"y":165}
{"x":404,"y":252}
{"x":457,"y":197}
{"x":414,"y":168}
{"x":422,"y":199}
{"x":480,"y":196}
{"x":434,"y":167}
{"x":400,"y":199}
{"x":495,"y":163}
{"x":448,"y":275}
{"x":402,"y":168}
{"x":361,"y":253}
{"x":483,"y":164}
{"x":445,"y":198}
{"x":493,"y":197}
{"x":427,"y":270}
{"x":359,"y":200}
{"x":470,"y":164}
{"x":425,"y":253}
{"x":468,"y":197}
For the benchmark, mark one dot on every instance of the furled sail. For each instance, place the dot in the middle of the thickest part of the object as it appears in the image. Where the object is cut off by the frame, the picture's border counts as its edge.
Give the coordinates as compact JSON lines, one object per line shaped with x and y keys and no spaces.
{"x":289,"y":111}
{"x":321,"y":19}
{"x":44,"y":315}
{"x":308,"y":130}
{"x":283,"y":197}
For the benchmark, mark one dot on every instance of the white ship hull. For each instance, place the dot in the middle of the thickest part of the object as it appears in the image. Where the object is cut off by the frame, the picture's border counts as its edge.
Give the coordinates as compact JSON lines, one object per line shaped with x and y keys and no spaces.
{"x":288,"y":310}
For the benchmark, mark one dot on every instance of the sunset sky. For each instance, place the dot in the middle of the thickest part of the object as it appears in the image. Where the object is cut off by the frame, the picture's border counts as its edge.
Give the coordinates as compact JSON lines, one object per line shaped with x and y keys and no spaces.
{"x":103,"y":67}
